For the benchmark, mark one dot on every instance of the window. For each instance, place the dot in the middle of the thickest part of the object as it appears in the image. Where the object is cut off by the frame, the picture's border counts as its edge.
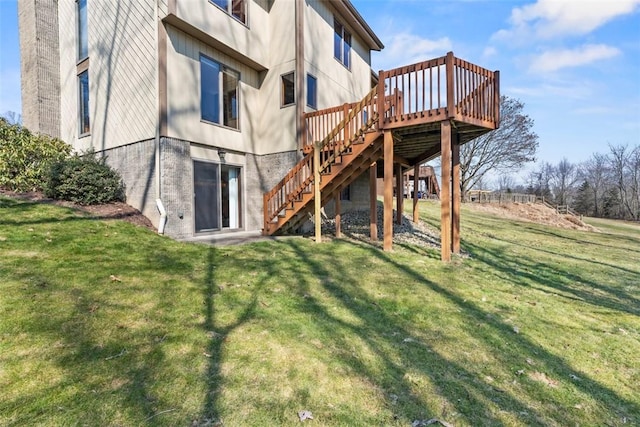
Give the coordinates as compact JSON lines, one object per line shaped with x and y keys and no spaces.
{"x":312,"y":91}
{"x":217,"y":193}
{"x":345,"y":194}
{"x":288,"y":92}
{"x":83,"y":44}
{"x":83,"y":102}
{"x":218,"y":93}
{"x":341,"y":44}
{"x":235,"y":8}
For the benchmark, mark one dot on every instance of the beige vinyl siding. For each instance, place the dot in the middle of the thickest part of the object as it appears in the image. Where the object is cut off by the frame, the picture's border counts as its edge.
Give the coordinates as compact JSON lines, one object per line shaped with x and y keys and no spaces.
{"x":122,"y":64}
{"x":183,"y":89}
{"x":336,"y":83}
{"x":251,"y":39}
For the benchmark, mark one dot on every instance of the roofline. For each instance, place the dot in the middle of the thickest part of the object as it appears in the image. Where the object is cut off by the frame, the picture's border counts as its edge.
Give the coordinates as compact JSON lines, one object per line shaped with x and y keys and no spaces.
{"x":360,"y":25}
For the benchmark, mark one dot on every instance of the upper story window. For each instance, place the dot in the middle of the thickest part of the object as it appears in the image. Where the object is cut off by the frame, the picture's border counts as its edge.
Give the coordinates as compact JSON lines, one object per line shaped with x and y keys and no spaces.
{"x":218,"y":93}
{"x":83,"y":43}
{"x":341,"y":44}
{"x":288,"y":89}
{"x":312,"y":91}
{"x":235,"y":8}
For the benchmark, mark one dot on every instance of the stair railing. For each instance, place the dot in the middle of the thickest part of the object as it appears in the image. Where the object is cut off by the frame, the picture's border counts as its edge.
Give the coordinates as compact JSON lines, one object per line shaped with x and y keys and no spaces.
{"x":357,"y":119}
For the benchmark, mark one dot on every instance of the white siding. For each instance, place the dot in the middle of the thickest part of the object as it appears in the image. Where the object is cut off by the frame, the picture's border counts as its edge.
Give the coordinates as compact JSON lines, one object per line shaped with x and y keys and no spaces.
{"x":122,"y":72}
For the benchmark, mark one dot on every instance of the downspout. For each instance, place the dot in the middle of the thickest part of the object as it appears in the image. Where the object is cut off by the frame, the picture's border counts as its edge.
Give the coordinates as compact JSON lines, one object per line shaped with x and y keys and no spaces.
{"x":299,"y":71}
{"x":160,"y":46}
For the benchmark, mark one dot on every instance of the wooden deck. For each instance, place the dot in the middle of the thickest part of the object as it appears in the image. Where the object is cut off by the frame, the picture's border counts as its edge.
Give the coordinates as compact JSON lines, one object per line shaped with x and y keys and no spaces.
{"x":414,"y":114}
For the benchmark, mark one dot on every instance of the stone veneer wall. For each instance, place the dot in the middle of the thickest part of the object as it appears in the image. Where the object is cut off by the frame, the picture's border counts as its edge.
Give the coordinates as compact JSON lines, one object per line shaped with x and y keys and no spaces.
{"x":137,"y":166}
{"x":359,"y":197}
{"x":261,"y":174}
{"x":40,"y":65}
{"x":176,"y":184}
{"x":136,"y":163}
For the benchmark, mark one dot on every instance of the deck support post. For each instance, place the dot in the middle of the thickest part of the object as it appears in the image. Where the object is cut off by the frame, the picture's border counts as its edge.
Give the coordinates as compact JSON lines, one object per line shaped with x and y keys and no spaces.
{"x":399,"y":193}
{"x":388,"y":191}
{"x":455,"y":194}
{"x":338,"y":215}
{"x":373,"y":201}
{"x":445,"y":192}
{"x":316,"y":192}
{"x":416,"y":184}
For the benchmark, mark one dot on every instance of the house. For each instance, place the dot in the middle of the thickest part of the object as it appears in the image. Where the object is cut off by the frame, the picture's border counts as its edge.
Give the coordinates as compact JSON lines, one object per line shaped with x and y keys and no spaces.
{"x":223,"y":115}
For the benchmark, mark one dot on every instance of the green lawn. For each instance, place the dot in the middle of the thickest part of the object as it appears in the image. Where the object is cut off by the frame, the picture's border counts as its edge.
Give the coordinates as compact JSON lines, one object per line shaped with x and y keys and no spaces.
{"x":103,"y":323}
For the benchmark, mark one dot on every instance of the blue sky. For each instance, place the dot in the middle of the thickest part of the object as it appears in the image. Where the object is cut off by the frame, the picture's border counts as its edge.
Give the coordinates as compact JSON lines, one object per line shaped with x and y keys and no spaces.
{"x":574,"y":63}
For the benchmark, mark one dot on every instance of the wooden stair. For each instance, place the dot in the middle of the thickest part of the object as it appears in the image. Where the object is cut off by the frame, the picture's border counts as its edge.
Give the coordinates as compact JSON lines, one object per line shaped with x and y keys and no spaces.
{"x":345,"y":152}
{"x":426,"y":109}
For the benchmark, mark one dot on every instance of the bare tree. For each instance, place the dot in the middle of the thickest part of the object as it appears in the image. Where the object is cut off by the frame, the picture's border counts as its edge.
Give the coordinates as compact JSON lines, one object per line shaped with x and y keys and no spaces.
{"x":563,"y":182}
{"x":503,"y":149}
{"x":539,"y":180}
{"x":595,"y":172}
{"x":624,"y":165}
{"x":506,"y":183}
{"x":12,"y":117}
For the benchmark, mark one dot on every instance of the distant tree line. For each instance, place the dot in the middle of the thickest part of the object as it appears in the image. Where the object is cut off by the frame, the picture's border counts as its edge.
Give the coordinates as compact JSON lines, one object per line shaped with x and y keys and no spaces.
{"x":607,"y":185}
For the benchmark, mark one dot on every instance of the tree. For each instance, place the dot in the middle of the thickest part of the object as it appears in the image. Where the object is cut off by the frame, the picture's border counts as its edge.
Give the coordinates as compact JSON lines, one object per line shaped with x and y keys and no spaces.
{"x":504,"y":149}
{"x":12,"y":117}
{"x":595,"y":172}
{"x":539,"y":180}
{"x":624,"y":165}
{"x":563,"y":180}
{"x":584,"y":201}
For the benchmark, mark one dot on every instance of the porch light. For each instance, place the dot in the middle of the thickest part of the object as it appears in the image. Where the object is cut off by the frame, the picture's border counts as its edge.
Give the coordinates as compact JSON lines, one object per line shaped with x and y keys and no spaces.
{"x":221,"y":154}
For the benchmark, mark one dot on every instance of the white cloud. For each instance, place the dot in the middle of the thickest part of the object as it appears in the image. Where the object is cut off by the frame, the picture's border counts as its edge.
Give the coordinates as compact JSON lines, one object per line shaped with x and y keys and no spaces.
{"x":406,"y":48}
{"x":489,"y":52}
{"x":554,"y":60}
{"x":547,"y":19}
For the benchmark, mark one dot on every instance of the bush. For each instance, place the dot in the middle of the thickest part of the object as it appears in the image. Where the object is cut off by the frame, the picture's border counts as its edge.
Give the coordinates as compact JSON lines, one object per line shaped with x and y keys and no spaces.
{"x":25,"y":158}
{"x":84,"y":179}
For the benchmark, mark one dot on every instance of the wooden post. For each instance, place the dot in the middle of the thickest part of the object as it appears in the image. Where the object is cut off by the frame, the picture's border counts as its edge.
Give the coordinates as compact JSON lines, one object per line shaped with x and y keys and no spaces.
{"x":338,"y":216}
{"x":416,"y":184}
{"x":373,"y":201}
{"x":449,"y":67}
{"x":388,"y":191}
{"x":316,"y":188}
{"x":455,"y":195}
{"x":445,"y":192}
{"x":399,"y":194}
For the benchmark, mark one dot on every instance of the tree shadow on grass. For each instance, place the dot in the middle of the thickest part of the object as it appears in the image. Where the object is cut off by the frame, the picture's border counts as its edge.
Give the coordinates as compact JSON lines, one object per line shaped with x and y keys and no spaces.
{"x":400,"y":351}
{"x":552,"y":277}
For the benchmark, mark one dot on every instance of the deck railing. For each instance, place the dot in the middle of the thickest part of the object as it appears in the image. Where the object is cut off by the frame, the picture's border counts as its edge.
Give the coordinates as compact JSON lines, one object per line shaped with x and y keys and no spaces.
{"x":438,"y":89}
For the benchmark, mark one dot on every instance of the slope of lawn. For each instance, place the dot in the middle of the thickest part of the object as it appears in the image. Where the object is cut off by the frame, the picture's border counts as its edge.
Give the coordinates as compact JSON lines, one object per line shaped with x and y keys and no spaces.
{"x":104,"y":323}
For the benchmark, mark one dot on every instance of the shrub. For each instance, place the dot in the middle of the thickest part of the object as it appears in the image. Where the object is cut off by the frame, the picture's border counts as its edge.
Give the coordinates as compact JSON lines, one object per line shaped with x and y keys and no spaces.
{"x":25,"y":158}
{"x":84,"y":179}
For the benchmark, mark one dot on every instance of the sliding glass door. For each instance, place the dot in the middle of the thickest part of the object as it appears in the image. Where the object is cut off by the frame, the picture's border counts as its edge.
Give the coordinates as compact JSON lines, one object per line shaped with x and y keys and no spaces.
{"x":217,"y":194}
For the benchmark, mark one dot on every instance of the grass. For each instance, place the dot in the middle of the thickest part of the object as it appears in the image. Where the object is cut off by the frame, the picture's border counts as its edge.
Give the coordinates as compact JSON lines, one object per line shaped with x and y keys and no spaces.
{"x":103,"y":323}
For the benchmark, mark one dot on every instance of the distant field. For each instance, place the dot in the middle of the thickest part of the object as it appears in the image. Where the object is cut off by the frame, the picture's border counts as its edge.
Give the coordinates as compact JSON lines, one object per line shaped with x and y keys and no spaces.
{"x":104,"y":323}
